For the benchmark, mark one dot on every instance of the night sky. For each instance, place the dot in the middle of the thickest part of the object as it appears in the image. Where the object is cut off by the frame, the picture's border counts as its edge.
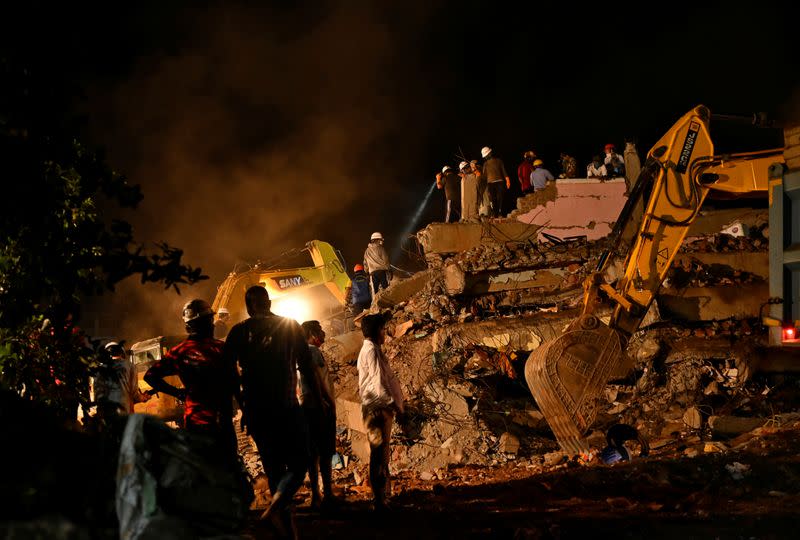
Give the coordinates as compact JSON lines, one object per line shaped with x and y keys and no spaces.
{"x":255,"y":129}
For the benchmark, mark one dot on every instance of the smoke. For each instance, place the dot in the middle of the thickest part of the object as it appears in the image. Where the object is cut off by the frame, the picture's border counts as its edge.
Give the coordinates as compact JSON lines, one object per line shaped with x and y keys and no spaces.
{"x":249,"y":138}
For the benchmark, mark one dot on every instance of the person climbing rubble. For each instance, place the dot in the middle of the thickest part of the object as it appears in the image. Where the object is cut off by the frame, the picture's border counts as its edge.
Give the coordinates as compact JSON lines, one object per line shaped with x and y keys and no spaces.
{"x":270,"y":350}
{"x":381,"y":399}
{"x":469,"y":192}
{"x":376,"y":261}
{"x":321,"y":418}
{"x":540,"y":176}
{"x":116,"y":390}
{"x":496,"y":178}
{"x":448,"y":181}
{"x":210,"y":382}
{"x":358,"y":294}
{"x":524,"y":171}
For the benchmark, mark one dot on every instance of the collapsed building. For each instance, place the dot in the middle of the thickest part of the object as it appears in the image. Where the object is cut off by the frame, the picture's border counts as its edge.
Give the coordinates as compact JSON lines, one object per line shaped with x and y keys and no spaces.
{"x":494,"y":291}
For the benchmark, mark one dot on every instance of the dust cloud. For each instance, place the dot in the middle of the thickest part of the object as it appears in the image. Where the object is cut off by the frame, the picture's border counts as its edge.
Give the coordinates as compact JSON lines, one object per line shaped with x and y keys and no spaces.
{"x":249,"y":139}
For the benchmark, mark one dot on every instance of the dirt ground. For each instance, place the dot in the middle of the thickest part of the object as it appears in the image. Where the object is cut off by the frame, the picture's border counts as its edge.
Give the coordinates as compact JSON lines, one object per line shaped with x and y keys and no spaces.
{"x":666,"y":495}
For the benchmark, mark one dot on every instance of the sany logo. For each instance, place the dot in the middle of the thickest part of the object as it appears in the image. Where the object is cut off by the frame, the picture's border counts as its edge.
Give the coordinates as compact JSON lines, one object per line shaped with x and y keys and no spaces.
{"x":289,"y":282}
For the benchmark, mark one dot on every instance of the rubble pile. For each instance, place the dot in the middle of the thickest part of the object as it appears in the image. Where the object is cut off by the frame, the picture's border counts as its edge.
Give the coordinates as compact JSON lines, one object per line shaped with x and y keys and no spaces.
{"x":460,"y":332}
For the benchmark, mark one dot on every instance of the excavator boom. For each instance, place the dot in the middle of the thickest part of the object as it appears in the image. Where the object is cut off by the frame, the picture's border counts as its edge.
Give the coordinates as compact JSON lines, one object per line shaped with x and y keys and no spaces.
{"x":567,"y":375}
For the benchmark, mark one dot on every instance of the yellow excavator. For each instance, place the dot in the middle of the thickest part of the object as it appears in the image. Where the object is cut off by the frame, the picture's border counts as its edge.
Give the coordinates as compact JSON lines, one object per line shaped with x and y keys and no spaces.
{"x":302,"y":293}
{"x":567,"y":375}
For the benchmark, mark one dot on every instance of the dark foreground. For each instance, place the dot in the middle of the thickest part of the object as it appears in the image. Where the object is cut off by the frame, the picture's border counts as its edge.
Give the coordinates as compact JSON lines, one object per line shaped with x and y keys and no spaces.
{"x":668,"y":495}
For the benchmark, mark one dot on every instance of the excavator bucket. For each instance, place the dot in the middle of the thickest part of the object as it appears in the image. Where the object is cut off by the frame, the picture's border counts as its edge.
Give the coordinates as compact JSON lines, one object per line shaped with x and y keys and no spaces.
{"x":567,"y":375}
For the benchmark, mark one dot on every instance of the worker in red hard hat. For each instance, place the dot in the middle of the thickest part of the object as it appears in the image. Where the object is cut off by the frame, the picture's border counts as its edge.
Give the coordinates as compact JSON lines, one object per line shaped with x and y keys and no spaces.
{"x":358,"y":294}
{"x":209,"y":382}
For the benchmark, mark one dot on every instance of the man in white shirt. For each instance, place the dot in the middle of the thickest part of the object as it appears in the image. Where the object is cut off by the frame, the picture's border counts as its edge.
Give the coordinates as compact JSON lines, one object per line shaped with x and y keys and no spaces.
{"x":381,"y":397}
{"x":596,"y":169}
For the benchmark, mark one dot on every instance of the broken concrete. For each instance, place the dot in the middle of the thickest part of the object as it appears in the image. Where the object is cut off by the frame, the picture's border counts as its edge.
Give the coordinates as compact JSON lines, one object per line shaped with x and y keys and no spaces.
{"x":440,"y":238}
{"x":713,"y":303}
{"x":726,"y":427}
{"x":344,"y":348}
{"x":545,"y":280}
{"x":402,"y":289}
{"x":574,"y":207}
{"x":516,"y":334}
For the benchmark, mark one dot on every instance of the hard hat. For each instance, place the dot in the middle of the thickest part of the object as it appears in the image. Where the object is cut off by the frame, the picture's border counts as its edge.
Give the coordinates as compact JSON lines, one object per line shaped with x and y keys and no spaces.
{"x":485,"y":151}
{"x":529,"y":153}
{"x":223,"y":311}
{"x":195,"y":309}
{"x":376,"y":236}
{"x":610,"y":146}
{"x":114,"y":349}
{"x":446,"y":168}
{"x":463,"y":165}
{"x":358,"y":268}
{"x":538,"y":162}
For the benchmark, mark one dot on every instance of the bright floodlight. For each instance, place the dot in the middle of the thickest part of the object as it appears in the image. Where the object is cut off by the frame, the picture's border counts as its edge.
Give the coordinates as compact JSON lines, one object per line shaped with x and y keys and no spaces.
{"x":293,"y":308}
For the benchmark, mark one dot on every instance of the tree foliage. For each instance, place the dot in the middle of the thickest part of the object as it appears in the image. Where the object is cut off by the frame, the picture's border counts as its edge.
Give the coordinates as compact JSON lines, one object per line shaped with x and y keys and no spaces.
{"x":58,"y":243}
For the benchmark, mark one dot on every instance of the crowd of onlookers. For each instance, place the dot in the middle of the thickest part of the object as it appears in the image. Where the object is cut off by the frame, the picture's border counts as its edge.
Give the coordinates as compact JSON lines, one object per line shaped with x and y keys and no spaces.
{"x":476,"y":190}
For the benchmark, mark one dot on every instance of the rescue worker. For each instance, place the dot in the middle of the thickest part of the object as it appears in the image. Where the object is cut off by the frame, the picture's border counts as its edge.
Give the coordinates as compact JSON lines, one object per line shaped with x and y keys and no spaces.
{"x":524,"y":171}
{"x":495,"y":172}
{"x":269,"y":351}
{"x":615,"y":164}
{"x":540,"y":176}
{"x":376,"y":261}
{"x":116,"y":389}
{"x":381,"y":398}
{"x":221,"y":324}
{"x":569,"y":166}
{"x":320,"y":417}
{"x":358,"y":294}
{"x":469,"y":192}
{"x":596,"y":169}
{"x":210,"y":382}
{"x":448,"y":180}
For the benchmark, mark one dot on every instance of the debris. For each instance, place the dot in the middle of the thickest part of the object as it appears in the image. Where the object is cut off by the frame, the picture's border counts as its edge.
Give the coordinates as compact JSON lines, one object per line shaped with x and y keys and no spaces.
{"x":737,"y":470}
{"x":426,"y":476}
{"x":509,"y":443}
{"x":692,"y":418}
{"x":725,"y":427}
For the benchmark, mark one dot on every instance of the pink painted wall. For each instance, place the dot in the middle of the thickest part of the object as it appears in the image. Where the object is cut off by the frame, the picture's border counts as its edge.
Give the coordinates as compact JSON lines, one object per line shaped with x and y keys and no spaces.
{"x":582,"y":206}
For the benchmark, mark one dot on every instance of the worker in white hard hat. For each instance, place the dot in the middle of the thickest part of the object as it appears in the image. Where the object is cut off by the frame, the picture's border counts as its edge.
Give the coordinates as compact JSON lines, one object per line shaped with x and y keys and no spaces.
{"x":115,"y":387}
{"x":469,"y":192}
{"x":376,"y":261}
{"x":221,"y":324}
{"x":497,"y":179}
{"x":448,"y":181}
{"x":524,"y":171}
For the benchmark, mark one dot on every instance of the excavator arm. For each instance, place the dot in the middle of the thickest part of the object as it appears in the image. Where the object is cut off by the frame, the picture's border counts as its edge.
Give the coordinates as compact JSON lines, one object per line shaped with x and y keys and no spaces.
{"x":568,"y":374}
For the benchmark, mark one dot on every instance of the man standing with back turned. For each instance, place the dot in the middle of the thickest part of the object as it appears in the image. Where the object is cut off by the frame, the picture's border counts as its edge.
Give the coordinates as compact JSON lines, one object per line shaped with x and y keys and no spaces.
{"x":270,"y":350}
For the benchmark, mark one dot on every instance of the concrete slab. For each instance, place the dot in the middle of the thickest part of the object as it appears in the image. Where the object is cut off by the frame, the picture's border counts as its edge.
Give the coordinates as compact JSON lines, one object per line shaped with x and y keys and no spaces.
{"x":756,"y":263}
{"x":713,"y":303}
{"x":402,"y":289}
{"x":574,"y":207}
{"x":438,"y":238}
{"x":516,"y":334}
{"x":545,"y":280}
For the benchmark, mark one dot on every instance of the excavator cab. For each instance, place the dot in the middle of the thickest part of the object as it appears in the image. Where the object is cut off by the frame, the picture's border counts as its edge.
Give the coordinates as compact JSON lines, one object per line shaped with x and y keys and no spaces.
{"x":567,"y":375}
